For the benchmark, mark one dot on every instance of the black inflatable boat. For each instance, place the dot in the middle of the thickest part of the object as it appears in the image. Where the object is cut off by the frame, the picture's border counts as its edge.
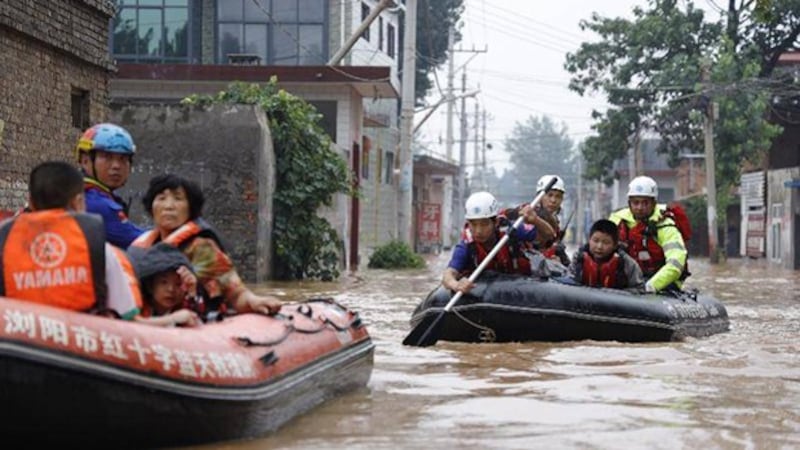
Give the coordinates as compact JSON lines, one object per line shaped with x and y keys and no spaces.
{"x":507,"y":308}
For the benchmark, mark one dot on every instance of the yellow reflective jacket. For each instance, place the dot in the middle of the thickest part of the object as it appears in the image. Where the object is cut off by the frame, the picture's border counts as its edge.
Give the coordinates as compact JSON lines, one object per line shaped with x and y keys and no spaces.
{"x":667,"y":237}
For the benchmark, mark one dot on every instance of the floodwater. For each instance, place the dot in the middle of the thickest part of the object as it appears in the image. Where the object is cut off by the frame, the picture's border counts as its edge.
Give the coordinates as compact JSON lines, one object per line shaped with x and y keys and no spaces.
{"x":737,"y":390}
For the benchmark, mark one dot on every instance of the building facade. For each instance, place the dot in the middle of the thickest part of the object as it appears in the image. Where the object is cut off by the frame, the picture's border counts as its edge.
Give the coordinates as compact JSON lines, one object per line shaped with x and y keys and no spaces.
{"x":167,"y":49}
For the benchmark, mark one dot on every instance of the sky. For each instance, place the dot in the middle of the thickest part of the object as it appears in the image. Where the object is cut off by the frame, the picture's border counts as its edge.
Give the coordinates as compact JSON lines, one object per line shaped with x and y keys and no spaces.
{"x":522,"y":71}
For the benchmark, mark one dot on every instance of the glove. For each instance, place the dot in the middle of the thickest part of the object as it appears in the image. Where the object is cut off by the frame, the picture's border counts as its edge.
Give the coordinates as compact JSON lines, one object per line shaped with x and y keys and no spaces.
{"x":649,"y":289}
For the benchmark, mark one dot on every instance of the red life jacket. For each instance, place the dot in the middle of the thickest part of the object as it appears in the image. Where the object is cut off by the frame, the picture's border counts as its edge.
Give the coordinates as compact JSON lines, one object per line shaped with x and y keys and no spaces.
{"x":641,"y":239}
{"x":507,"y":260}
{"x":606,"y":274}
{"x":549,"y":250}
{"x":510,"y":258}
{"x":54,"y":257}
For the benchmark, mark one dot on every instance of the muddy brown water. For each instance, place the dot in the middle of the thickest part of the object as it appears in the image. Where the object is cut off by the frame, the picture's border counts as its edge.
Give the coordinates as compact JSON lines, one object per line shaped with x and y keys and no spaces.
{"x":737,"y":390}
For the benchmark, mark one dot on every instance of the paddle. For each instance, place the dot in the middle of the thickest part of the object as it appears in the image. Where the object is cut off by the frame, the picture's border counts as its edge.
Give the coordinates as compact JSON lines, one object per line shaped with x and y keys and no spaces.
{"x":427,"y":331}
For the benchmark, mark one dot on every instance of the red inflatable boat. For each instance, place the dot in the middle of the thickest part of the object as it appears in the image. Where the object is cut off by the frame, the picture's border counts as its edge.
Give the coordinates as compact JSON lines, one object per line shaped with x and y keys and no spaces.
{"x":68,"y":377}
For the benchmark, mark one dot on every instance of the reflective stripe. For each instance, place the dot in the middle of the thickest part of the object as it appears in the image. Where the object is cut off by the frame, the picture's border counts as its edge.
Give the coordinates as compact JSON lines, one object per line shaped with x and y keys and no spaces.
{"x":675,"y":263}
{"x":673,"y":246}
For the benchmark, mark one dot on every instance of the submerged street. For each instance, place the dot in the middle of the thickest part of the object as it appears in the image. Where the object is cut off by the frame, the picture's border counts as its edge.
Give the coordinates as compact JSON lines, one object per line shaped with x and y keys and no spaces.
{"x":734,"y":390}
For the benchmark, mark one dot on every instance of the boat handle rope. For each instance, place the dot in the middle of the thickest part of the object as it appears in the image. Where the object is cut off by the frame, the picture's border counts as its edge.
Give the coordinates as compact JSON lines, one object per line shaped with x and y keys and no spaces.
{"x":486,"y":334}
{"x":290,"y":327}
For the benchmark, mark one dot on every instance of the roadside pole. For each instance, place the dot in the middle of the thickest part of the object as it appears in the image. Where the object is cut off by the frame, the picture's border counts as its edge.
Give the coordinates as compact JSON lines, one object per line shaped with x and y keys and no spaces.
{"x":711,"y":185}
{"x":404,"y":194}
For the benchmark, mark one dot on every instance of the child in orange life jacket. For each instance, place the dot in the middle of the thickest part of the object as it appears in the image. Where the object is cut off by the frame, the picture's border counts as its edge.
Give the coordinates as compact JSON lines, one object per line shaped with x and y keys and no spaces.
{"x":601,"y":263}
{"x":169,"y":287}
{"x":485,"y":229}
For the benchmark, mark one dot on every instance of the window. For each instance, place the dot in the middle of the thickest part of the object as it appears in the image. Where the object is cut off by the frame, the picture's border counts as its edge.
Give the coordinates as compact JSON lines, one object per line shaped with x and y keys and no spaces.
{"x":380,"y":33}
{"x":327,"y":109}
{"x":390,"y":40}
{"x":388,"y":167}
{"x":80,"y":108}
{"x":151,"y":30}
{"x":366,"y":144}
{"x":364,"y":14}
{"x":278,"y":32}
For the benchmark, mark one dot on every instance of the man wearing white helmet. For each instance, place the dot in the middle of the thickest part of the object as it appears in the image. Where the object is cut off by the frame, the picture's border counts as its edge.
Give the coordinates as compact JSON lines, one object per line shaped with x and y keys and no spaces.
{"x":485,"y":227}
{"x":551,"y":247}
{"x":651,"y":236}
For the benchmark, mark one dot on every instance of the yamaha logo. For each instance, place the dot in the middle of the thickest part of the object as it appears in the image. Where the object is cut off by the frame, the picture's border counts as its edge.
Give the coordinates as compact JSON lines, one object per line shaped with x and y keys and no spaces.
{"x":48,"y":250}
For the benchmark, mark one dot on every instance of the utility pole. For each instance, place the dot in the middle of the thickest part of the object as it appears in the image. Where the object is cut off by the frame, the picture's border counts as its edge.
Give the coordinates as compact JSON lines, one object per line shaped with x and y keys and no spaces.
{"x":476,"y":156}
{"x":462,"y":184}
{"x":637,"y":151}
{"x":404,"y":194}
{"x":450,"y":97}
{"x":579,"y":213}
{"x":711,"y":184}
{"x":484,"y":184}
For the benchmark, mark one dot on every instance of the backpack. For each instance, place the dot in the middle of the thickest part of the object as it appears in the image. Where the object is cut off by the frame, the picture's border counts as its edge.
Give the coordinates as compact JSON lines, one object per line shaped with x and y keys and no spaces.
{"x":677,"y":213}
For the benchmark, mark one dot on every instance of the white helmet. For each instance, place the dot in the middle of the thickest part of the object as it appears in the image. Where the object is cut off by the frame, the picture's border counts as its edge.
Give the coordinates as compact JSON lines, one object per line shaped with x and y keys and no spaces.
{"x":481,"y":205}
{"x":558,"y":186}
{"x":643,"y":187}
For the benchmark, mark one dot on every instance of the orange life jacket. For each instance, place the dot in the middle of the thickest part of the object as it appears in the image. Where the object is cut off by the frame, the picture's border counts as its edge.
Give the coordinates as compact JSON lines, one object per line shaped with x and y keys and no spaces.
{"x":605,"y":274}
{"x":54,"y":257}
{"x":179,"y":238}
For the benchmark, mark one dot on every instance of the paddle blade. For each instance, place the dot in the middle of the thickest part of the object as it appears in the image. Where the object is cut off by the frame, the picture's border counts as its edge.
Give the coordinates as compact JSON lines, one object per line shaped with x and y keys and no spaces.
{"x":426,"y":333}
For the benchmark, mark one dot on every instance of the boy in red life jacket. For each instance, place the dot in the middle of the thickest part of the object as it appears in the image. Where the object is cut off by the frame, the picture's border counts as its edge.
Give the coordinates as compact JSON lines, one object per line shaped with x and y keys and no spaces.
{"x":485,"y":229}
{"x":601,"y":263}
{"x":56,"y":254}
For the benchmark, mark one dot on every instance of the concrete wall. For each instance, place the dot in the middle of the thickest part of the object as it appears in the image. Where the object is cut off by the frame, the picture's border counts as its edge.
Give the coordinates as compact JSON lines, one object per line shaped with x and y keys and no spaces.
{"x":47,"y":49}
{"x":228,"y":151}
{"x":783,"y":211}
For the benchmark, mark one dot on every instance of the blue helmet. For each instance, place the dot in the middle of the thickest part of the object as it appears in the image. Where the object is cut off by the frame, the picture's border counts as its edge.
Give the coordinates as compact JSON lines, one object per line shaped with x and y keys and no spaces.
{"x":106,"y":137}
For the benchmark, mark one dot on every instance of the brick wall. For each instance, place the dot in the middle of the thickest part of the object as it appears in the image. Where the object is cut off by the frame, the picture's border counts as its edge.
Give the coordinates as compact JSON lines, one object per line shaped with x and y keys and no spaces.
{"x":47,"y":49}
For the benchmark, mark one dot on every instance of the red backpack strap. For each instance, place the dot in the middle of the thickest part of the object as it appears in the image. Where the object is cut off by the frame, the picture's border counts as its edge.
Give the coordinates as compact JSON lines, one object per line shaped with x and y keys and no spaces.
{"x":677,"y":213}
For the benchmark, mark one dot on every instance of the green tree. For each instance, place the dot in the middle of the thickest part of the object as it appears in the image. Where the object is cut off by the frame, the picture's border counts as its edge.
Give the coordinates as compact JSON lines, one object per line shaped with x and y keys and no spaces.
{"x":650,"y":70}
{"x":539,"y":146}
{"x":308,"y":171}
{"x":434,"y":18}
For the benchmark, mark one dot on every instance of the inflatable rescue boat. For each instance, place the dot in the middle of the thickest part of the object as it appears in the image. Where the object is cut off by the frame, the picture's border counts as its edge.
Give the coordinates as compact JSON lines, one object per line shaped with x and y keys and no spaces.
{"x":77,"y":379}
{"x":507,"y":308}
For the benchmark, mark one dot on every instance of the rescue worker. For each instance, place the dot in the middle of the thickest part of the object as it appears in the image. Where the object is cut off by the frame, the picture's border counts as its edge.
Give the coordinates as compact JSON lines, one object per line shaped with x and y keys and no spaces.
{"x":549,"y":208}
{"x":56,"y":254}
{"x":105,"y":154}
{"x":650,"y":238}
{"x":484,"y":229}
{"x":601,"y":263}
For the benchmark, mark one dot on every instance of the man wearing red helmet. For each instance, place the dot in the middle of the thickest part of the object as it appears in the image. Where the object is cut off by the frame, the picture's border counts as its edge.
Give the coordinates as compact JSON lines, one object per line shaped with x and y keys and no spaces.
{"x":105,"y":154}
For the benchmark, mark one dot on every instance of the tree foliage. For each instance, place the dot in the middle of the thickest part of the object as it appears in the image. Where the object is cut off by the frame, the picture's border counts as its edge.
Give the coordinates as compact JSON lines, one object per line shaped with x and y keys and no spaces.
{"x":649,"y":68}
{"x":395,"y":255}
{"x":434,"y":18}
{"x":309,"y":172}
{"x":539,"y":146}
